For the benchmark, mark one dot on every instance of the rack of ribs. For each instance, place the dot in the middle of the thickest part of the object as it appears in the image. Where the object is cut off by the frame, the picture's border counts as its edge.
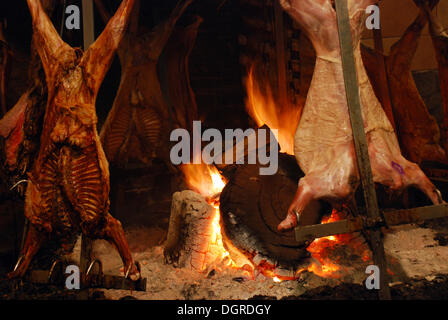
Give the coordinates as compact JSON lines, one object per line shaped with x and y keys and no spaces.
{"x":324,"y":146}
{"x":417,"y":130}
{"x":139,"y":124}
{"x":68,"y":185}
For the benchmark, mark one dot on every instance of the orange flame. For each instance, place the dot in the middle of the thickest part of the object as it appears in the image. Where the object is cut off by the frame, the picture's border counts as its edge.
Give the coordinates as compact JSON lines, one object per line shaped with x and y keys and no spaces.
{"x":204,"y":179}
{"x":263,"y":109}
{"x":323,"y":266}
{"x":207,"y":181}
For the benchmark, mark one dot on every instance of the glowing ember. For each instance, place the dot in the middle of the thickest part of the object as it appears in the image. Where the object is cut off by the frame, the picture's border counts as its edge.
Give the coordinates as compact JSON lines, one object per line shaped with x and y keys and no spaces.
{"x":207,"y":181}
{"x":322,"y":265}
{"x":261,"y":107}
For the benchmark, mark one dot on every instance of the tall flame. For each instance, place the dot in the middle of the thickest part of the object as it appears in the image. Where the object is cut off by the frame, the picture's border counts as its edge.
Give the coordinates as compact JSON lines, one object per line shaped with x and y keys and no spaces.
{"x":207,"y":181}
{"x":204,"y":179}
{"x":263,"y":109}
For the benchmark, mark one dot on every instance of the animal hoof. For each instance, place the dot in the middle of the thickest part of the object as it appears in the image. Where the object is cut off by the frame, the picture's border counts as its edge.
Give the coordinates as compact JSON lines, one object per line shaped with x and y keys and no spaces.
{"x":287,"y":224}
{"x":135,"y":273}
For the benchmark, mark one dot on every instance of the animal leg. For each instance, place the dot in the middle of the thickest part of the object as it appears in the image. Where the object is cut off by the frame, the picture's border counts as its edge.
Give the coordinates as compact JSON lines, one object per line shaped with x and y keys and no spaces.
{"x":416,"y":178}
{"x":302,"y":198}
{"x":312,"y":188}
{"x":114,"y":234}
{"x":34,"y":240}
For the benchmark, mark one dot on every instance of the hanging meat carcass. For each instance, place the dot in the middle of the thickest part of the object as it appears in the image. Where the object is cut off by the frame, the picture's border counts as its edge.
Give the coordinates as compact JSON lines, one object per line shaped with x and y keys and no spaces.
{"x":4,"y":55}
{"x":418,"y":131}
{"x":324,"y":141}
{"x":68,"y":186}
{"x":440,"y":42}
{"x":141,"y":120}
{"x":21,"y":126}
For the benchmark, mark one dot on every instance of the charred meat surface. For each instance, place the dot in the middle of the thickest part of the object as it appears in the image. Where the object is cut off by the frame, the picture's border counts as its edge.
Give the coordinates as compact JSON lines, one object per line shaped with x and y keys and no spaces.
{"x":69,"y":183}
{"x":324,"y":145}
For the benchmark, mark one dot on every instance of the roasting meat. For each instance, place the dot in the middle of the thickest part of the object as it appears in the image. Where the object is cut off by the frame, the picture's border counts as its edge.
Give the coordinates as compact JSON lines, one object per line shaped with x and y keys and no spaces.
{"x":324,"y":145}
{"x":137,"y":128}
{"x":11,"y":129}
{"x":417,"y":129}
{"x":21,"y":127}
{"x":68,"y":185}
{"x":440,"y":43}
{"x":4,"y":54}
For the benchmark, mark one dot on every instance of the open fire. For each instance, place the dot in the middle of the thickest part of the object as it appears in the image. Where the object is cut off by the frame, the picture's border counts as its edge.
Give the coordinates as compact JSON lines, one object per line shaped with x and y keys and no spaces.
{"x":261,"y":106}
{"x":207,"y":181}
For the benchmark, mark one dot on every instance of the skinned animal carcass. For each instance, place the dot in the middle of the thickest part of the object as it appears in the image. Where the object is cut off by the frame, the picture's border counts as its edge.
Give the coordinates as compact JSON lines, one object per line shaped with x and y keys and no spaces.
{"x":4,"y":55}
{"x":440,"y":42}
{"x":138,"y":127}
{"x":324,"y":145}
{"x":417,"y":129}
{"x":68,"y":185}
{"x":21,"y":127}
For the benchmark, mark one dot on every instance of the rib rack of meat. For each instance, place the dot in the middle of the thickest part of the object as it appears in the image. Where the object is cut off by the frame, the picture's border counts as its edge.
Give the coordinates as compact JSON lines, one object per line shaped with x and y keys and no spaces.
{"x":68,"y":186}
{"x":141,"y":120}
{"x":324,"y":140}
{"x":440,"y":43}
{"x":417,"y":129}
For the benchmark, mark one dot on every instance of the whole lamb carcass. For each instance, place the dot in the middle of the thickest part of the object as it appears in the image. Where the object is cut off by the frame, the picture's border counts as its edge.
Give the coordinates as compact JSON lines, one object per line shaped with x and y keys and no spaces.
{"x":68,"y":185}
{"x":324,"y":145}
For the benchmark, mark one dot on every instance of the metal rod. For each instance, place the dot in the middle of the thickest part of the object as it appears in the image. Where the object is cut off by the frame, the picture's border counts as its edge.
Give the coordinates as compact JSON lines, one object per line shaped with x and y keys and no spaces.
{"x":88,"y":23}
{"x":360,"y":142}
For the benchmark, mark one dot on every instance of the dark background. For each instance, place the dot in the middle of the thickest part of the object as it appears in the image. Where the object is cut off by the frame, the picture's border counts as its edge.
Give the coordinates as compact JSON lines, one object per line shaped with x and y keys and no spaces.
{"x":214,"y":64}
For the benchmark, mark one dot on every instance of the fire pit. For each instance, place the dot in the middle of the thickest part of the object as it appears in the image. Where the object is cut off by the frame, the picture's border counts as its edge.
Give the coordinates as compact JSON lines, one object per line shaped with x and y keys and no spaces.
{"x":203,"y":227}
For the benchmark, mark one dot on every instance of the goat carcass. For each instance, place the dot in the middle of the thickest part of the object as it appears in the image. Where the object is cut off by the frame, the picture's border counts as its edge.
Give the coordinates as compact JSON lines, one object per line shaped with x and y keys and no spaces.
{"x":440,"y":42}
{"x":417,"y":130}
{"x":141,"y":120}
{"x":4,"y":53}
{"x":324,"y":145}
{"x":68,"y":185}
